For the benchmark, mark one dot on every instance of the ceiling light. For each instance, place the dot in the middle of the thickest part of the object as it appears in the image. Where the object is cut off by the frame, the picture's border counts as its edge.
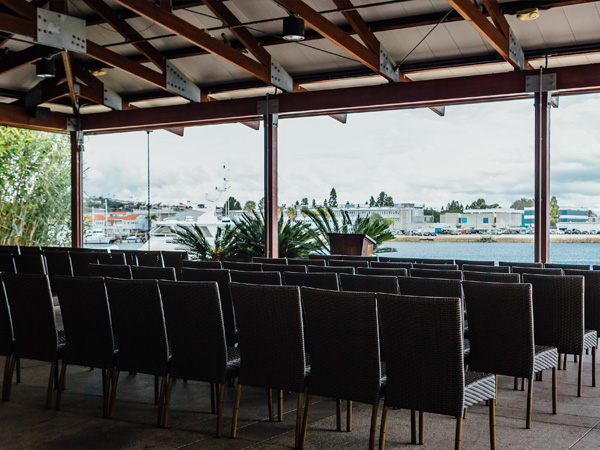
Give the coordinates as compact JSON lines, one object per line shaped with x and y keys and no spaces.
{"x":528,"y":14}
{"x":99,"y":72}
{"x":293,"y":28}
{"x":45,"y":68}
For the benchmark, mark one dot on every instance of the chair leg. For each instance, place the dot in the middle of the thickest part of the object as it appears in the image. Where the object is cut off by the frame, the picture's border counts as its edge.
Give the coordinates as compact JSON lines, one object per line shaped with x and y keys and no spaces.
{"x":161,"y":402}
{"x":492,"y":426}
{"x":349,"y":416}
{"x":270,"y":401}
{"x":61,"y":381}
{"x":373,"y":431}
{"x":156,"y":394}
{"x":413,"y":426}
{"x":236,"y":409}
{"x":554,"y":390}
{"x":383,"y":428}
{"x":593,"y":366}
{"x":50,"y":385}
{"x":167,"y":400}
{"x":516,"y":386}
{"x":338,"y":414}
{"x":220,"y":401}
{"x":523,"y":381}
{"x":18,"y":370}
{"x":113,"y":391}
{"x":213,"y":402}
{"x":579,"y":377}
{"x":465,"y":413}
{"x":280,"y":406}
{"x":299,"y":412}
{"x":9,"y":365}
{"x":302,"y":439}
{"x":458,"y":436}
{"x":575,"y":358}
{"x":529,"y":403}
{"x":106,"y":376}
{"x":565,"y":362}
{"x":421,"y":427}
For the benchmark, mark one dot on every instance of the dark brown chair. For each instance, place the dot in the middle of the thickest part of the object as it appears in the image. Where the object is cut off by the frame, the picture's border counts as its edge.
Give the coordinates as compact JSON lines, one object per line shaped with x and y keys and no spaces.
{"x":197,"y":337}
{"x":111,"y":258}
{"x":592,"y":297}
{"x":347,"y":263}
{"x":435,"y":266}
{"x":30,"y":250}
{"x":330,"y":269}
{"x":264,"y":260}
{"x":150,"y":258}
{"x":382,"y":271}
{"x":110,"y":270}
{"x":536,"y":270}
{"x":283,"y":268}
{"x":430,"y":287}
{"x":30,"y":264}
{"x":501,"y":335}
{"x":58,"y":263}
{"x":247,"y":266}
{"x":315,"y":280}
{"x":129,"y":255}
{"x":306,"y":262}
{"x":568,"y":266}
{"x":269,"y":320}
{"x":34,"y":323}
{"x":88,"y":329}
{"x":425,"y":365}
{"x":153,"y":273}
{"x":10,"y":249}
{"x":241,"y":276}
{"x":7,"y":263}
{"x":481,"y":268}
{"x":80,"y":261}
{"x":7,"y":344}
{"x":400,"y":260}
{"x":345,"y":364}
{"x":461,"y":262}
{"x":325,"y":257}
{"x":391,"y":265}
{"x":558,"y":310}
{"x":139,"y":325}
{"x":358,"y":258}
{"x":436,"y":273}
{"x":492,"y":277}
{"x":174,"y":259}
{"x":369,"y":283}
{"x":202,"y":264}
{"x":520,"y":264}
{"x":434,"y":261}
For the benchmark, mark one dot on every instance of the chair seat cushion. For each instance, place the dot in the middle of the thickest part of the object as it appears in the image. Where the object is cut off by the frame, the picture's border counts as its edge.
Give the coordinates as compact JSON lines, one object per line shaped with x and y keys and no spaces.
{"x":479,"y":386}
{"x":545,"y":358}
{"x":590,"y":339}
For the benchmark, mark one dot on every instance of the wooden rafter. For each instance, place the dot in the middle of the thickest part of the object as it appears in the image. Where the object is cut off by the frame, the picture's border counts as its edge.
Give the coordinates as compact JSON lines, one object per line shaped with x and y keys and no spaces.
{"x":66,"y":57}
{"x":359,"y":25}
{"x":24,"y":9}
{"x":493,"y":9}
{"x":128,"y":32}
{"x":86,"y":77}
{"x":24,"y":57}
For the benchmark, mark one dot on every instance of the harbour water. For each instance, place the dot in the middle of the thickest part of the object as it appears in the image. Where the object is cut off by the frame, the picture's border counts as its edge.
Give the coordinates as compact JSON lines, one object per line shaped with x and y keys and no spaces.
{"x":566,"y":253}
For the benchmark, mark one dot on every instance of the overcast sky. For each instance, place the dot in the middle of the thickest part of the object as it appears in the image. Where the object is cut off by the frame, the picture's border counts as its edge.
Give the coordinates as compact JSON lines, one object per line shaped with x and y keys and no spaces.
{"x":480,"y":150}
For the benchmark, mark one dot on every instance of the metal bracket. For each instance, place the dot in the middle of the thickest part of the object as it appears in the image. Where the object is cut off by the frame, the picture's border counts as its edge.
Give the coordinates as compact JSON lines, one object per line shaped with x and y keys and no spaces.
{"x":532,"y":83}
{"x":515,"y":51}
{"x":264,"y":107}
{"x":280,"y":78}
{"x":71,"y":124}
{"x":112,"y":99}
{"x":387,"y":65}
{"x":181,"y":85}
{"x":61,"y":31}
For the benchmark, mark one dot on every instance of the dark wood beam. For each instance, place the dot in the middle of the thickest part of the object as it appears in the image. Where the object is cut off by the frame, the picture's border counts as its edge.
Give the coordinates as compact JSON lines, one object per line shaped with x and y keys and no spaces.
{"x":25,"y":57}
{"x":16,"y":25}
{"x":22,"y":8}
{"x":128,"y":32}
{"x":66,"y":57}
{"x":18,"y":116}
{"x":86,"y":77}
{"x":542,"y":178}
{"x":497,"y":16}
{"x":359,"y":26}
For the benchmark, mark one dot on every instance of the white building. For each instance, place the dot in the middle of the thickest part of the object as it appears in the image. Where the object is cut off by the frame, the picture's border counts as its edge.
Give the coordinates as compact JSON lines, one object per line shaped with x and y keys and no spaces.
{"x":484,"y":219}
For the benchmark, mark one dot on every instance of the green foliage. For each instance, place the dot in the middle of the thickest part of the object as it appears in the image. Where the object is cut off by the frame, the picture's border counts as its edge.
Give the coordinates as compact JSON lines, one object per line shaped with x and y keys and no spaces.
{"x":481,"y":204}
{"x":35,"y":181}
{"x":371,"y":202}
{"x":432,"y":212}
{"x":454,"y":206}
{"x":522,"y":203}
{"x":261,"y":204}
{"x":249,"y":206}
{"x":232,"y":204}
{"x":304,"y":201}
{"x":554,"y":211}
{"x":333,"y":198}
{"x":383,"y":200}
{"x":191,"y":238}
{"x":292,"y":212}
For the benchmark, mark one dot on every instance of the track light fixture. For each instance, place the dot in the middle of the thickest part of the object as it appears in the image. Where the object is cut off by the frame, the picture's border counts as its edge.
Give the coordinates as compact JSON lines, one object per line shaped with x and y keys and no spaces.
{"x":293,"y":28}
{"x":45,"y":68}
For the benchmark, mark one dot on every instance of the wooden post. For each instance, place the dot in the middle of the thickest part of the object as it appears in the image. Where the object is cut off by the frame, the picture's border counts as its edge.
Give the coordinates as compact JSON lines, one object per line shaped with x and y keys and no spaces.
{"x":271,"y":233}
{"x":76,"y":190}
{"x":542,"y":177}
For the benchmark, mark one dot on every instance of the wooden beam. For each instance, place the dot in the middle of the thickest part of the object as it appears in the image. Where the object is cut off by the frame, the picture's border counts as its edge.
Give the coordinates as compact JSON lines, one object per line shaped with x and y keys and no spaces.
{"x":25,"y":57}
{"x":341,"y":118}
{"x":17,"y":116}
{"x":15,"y":25}
{"x":254,"y":124}
{"x":359,"y":25}
{"x":128,"y":32}
{"x":22,"y":8}
{"x":177,"y":131}
{"x":197,"y":36}
{"x":86,"y":77}
{"x":66,"y":57}
{"x":493,"y":9}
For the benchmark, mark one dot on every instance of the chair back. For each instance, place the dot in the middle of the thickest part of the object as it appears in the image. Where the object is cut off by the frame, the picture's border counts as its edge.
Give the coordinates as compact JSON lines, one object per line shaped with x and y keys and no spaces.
{"x":264,"y":260}
{"x":424,"y":358}
{"x":337,"y":349}
{"x":241,"y":276}
{"x":537,"y":270}
{"x":306,"y":262}
{"x":110,"y":270}
{"x":500,"y":328}
{"x":283,"y":268}
{"x":271,"y":338}
{"x":7,"y":263}
{"x":7,"y":336}
{"x":461,"y":262}
{"x":568,"y":266}
{"x":394,"y":260}
{"x":195,"y":329}
{"x":592,"y":297}
{"x":111,"y":258}
{"x":434,"y":261}
{"x":330,"y":269}
{"x":369,"y":283}
{"x":435,"y":266}
{"x":80,"y":260}
{"x":139,"y":325}
{"x":30,"y":263}
{"x":247,"y":266}
{"x":315,"y":280}
{"x":358,"y":258}
{"x":558,"y":311}
{"x":202,"y":264}
{"x":152,"y":273}
{"x":520,"y":264}
{"x":223,"y":278}
{"x":430,"y":287}
{"x":10,"y":249}
{"x":347,"y":263}
{"x":87,"y":322}
{"x":58,"y":263}
{"x":129,"y":256}
{"x":30,"y":250}
{"x":150,"y":258}
{"x":174,"y":259}
{"x":436,"y":273}
{"x":391,"y":265}
{"x":481,"y":268}
{"x":32,"y":312}
{"x":492,"y":277}
{"x":395,"y":272}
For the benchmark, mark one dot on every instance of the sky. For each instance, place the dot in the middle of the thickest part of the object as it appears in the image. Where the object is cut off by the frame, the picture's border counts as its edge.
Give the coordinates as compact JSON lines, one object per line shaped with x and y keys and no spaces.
{"x":480,"y":150}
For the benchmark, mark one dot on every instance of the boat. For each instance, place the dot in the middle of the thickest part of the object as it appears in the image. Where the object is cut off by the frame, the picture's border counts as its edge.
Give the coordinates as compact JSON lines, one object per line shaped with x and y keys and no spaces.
{"x":96,"y":236}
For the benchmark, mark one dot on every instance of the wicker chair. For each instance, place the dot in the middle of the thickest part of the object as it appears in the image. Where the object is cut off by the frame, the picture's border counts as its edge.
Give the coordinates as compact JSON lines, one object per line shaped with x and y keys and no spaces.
{"x":501,"y":335}
{"x":306,"y":262}
{"x":152,"y":273}
{"x":520,"y":264}
{"x":568,"y":266}
{"x":111,"y":258}
{"x":283,"y":268}
{"x":129,"y":256}
{"x":7,"y":344}
{"x":88,"y":329}
{"x":391,"y":265}
{"x":461,"y":262}
{"x":264,"y":260}
{"x":34,"y":323}
{"x":492,"y":277}
{"x":330,"y":269}
{"x":151,"y":258}
{"x":30,"y":250}
{"x":58,"y":263}
{"x":81,"y":261}
{"x":395,"y":260}
{"x":435,"y":266}
{"x":481,"y":268}
{"x":358,"y":258}
{"x":174,"y":259}
{"x":434,"y":261}
{"x":197,"y":338}
{"x":369,"y":283}
{"x":139,"y":325}
{"x":110,"y":270}
{"x":10,"y":249}
{"x":315,"y":280}
{"x":347,"y":263}
{"x":241,"y":276}
{"x":202,"y":264}
{"x":7,"y":263}
{"x":424,"y":363}
{"x":592,"y":297}
{"x":30,"y":264}
{"x":558,"y":309}
{"x":536,"y":270}
{"x":430,"y":287}
{"x":247,"y":266}
{"x":223,"y":278}
{"x":343,"y":335}
{"x":269,"y":320}
{"x":382,"y":271}
{"x":436,"y":273}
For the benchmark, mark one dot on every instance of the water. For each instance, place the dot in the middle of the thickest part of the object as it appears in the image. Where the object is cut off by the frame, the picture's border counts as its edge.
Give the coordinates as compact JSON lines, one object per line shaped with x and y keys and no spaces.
{"x":565,"y":253}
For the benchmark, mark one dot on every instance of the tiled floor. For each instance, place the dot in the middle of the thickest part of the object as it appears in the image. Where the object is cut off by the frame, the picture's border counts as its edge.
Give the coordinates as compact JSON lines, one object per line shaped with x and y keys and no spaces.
{"x":26,"y":424}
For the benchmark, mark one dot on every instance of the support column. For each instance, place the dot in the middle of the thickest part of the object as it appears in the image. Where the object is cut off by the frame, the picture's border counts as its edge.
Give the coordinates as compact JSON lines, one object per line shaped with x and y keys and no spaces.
{"x":76,"y":189}
{"x":542,"y":176}
{"x":269,"y":110}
